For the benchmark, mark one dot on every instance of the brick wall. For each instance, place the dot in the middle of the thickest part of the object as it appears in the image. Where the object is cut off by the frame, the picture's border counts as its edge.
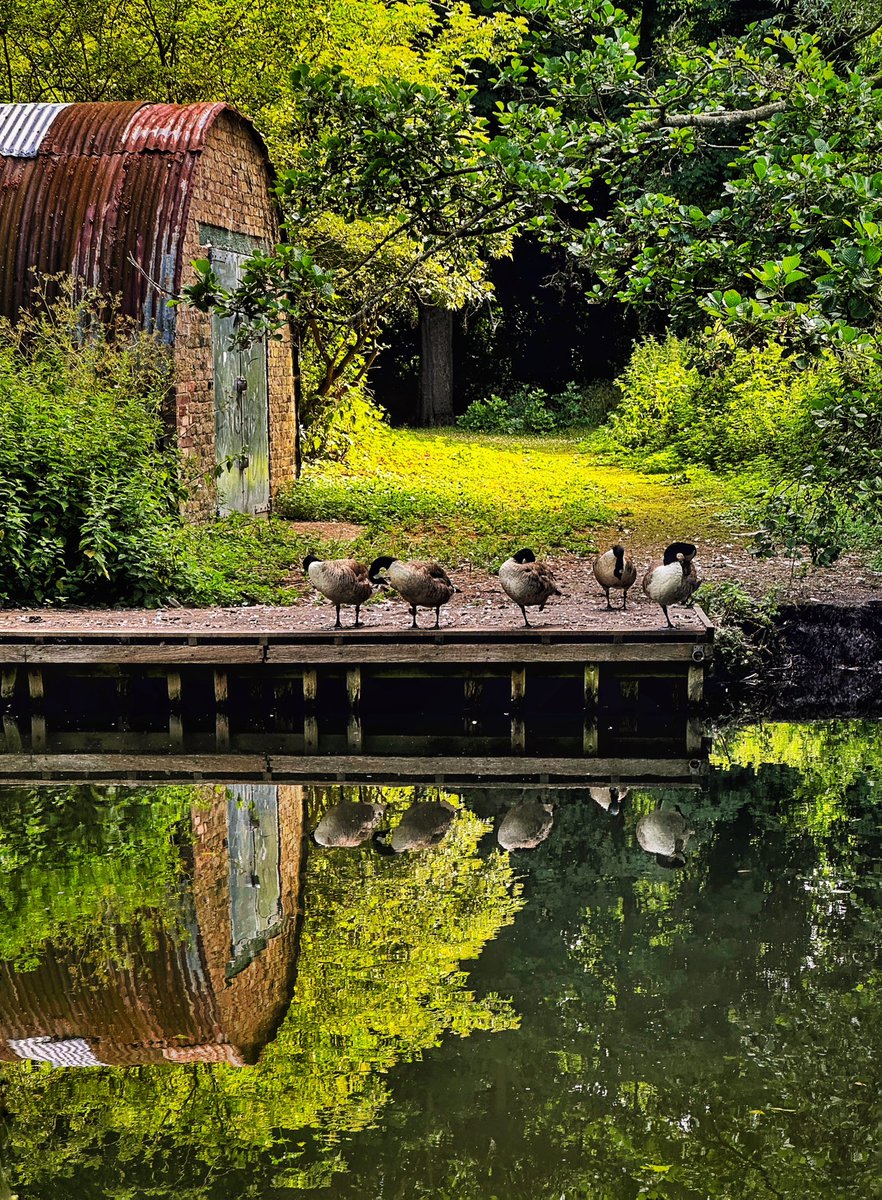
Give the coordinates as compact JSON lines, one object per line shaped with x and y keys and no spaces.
{"x":253,"y":1003}
{"x":231,"y":189}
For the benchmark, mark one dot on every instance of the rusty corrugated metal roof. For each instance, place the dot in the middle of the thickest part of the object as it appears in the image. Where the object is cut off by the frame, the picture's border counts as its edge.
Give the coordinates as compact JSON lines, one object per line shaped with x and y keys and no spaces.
{"x":105,"y":185}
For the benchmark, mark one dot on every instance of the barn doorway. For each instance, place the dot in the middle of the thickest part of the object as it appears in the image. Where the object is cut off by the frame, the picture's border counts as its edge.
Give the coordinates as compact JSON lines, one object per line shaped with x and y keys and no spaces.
{"x":241,"y":398}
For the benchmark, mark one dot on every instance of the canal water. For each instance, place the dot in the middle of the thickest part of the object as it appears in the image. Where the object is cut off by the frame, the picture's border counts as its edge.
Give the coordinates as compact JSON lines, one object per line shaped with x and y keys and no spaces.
{"x":199,"y":1003}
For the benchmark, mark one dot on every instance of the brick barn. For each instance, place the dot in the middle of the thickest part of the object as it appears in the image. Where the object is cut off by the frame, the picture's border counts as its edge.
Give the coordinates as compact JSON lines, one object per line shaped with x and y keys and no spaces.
{"x":126,"y":196}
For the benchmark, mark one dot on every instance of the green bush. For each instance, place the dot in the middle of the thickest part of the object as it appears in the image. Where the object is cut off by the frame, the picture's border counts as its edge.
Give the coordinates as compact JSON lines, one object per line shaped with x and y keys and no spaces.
{"x":89,"y":500}
{"x":659,"y":388}
{"x":533,"y":410}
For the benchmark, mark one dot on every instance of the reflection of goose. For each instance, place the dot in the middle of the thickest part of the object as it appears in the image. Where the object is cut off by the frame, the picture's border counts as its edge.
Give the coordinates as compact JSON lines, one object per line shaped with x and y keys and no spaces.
{"x":665,"y":834}
{"x":609,"y":798}
{"x":527,"y":582}
{"x":673,"y":580}
{"x":421,"y":584}
{"x":613,"y":570}
{"x":342,"y":580}
{"x":349,"y":823}
{"x":423,"y":826}
{"x":525,"y":826}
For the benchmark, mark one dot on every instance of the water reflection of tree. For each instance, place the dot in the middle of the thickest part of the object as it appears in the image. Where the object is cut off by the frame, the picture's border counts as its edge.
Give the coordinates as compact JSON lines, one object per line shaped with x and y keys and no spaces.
{"x":711,"y":1034}
{"x":380,"y":981}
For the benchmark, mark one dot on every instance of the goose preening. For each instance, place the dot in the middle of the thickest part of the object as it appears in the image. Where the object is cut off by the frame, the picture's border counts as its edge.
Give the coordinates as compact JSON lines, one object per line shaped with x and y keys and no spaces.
{"x":349,"y":823}
{"x":674,"y":579}
{"x":525,"y":826}
{"x":421,"y":584}
{"x":609,"y":798}
{"x":424,"y":825}
{"x":528,"y":582}
{"x":613,"y":570}
{"x":342,"y":580}
{"x":665,"y":834}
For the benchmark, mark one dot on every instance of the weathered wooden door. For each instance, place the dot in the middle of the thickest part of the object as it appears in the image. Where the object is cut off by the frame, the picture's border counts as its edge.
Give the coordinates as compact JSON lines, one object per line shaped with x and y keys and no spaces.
{"x":241,"y":406}
{"x":255,"y":870}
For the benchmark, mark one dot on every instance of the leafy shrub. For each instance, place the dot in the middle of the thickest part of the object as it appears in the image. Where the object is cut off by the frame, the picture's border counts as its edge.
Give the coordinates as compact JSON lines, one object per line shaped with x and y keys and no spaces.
{"x":659,"y":388}
{"x":89,"y":500}
{"x":533,"y":410}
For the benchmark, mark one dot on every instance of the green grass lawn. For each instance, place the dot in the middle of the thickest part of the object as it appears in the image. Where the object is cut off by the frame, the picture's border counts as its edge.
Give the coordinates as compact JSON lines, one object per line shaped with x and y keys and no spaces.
{"x":462,"y":498}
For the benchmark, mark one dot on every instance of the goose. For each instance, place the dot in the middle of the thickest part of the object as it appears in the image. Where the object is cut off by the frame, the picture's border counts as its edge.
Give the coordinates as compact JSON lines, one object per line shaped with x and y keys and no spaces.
{"x":349,"y":823}
{"x":673,"y":580}
{"x":613,"y":570}
{"x":609,"y":798}
{"x":665,"y":834}
{"x":422,"y":584}
{"x":342,"y":580}
{"x":527,"y":582}
{"x":525,"y":826}
{"x":424,"y":825}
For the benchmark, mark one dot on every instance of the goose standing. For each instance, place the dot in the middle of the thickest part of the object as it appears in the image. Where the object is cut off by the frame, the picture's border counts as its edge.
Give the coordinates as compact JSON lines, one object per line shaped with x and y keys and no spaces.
{"x":609,"y":798}
{"x":349,"y":823}
{"x":527,"y":582}
{"x":673,"y":580}
{"x":424,"y":825}
{"x":422,"y":584}
{"x":526,"y":825}
{"x":342,"y":580}
{"x":665,"y":834}
{"x":613,"y":570}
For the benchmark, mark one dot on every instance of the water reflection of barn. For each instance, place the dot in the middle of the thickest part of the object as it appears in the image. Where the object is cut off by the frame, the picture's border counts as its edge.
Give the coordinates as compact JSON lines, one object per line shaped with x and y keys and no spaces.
{"x":209,"y":984}
{"x":125,"y":196}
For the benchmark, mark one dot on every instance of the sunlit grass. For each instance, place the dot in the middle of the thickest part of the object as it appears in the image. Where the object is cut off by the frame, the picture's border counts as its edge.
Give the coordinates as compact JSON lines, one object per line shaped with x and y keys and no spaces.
{"x":463,"y":498}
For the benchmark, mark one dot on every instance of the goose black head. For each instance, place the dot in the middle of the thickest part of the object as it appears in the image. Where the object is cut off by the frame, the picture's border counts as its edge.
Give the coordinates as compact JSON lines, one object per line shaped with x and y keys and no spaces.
{"x":379,"y":564}
{"x":525,"y":555}
{"x":674,"y":551}
{"x":619,"y":552}
{"x":672,"y":862}
{"x":379,"y":843}
{"x":308,"y":561}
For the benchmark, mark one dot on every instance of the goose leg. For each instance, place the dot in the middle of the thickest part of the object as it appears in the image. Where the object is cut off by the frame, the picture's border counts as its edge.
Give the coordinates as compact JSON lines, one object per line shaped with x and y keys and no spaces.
{"x":608,"y":605}
{"x":664,"y":609}
{"x":438,"y":617}
{"x":413,"y":614}
{"x":524,"y":611}
{"x":357,"y":622}
{"x":625,"y":601}
{"x":337,"y":624}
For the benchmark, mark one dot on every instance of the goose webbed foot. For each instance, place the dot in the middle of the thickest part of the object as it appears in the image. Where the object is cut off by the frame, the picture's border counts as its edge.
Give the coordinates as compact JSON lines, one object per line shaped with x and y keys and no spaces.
{"x":413,"y":613}
{"x":667,"y":617}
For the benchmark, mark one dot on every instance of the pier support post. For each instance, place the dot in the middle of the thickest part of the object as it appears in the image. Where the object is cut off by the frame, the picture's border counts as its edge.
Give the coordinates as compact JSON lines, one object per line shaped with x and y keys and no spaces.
{"x":38,"y":716}
{"x":221,"y":710}
{"x":694,"y":696}
{"x":591,"y":694}
{"x":11,"y":731}
{"x":472,"y":691}
{"x":518,"y":691}
{"x":175,"y":721}
{"x":310,"y":720}
{"x":354,"y":735}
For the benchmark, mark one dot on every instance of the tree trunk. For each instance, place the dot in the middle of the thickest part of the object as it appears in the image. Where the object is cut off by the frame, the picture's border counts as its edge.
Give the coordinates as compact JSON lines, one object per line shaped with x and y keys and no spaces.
{"x":436,"y":366}
{"x":649,"y":30}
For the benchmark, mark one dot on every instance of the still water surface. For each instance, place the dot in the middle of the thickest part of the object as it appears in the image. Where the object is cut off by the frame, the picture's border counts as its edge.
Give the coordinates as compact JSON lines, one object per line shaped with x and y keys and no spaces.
{"x":196,"y":1003}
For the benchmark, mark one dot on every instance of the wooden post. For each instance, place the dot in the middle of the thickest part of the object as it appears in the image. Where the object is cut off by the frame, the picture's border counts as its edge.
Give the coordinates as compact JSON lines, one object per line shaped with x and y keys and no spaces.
{"x":518,"y":691}
{"x":38,"y":716}
{"x":354,"y":736}
{"x":694,"y":695}
{"x":221,"y":710}
{"x":11,"y":731}
{"x":310,"y":720}
{"x":175,"y":722}
{"x":473,"y":690}
{"x":591,"y":694}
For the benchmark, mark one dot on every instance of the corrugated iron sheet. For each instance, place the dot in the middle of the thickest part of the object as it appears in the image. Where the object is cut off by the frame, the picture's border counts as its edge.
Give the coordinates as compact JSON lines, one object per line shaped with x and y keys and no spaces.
{"x":104,"y":196}
{"x":23,"y":127}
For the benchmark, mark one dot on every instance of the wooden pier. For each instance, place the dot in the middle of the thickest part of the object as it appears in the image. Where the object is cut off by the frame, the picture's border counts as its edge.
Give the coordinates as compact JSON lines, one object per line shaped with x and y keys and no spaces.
{"x":532,"y":705}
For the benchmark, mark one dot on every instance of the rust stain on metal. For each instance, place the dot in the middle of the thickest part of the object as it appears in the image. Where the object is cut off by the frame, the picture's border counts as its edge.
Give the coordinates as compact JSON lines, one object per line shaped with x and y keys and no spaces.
{"x":103,"y":186}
